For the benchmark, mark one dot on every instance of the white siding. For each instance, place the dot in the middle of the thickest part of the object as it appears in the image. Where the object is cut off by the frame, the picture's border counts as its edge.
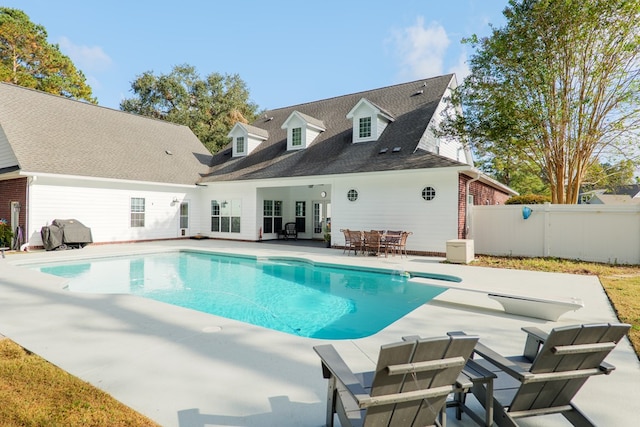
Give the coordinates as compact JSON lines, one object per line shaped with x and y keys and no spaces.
{"x":7,"y":158}
{"x":387,"y":201}
{"x":380,"y":126}
{"x":393,"y":201}
{"x":106,"y":207}
{"x":311,"y":135}
{"x":246,"y":192}
{"x":447,"y":147}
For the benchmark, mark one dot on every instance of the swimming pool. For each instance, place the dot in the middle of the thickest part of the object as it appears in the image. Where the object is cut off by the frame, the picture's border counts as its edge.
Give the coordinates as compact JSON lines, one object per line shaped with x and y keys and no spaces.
{"x":292,"y":296}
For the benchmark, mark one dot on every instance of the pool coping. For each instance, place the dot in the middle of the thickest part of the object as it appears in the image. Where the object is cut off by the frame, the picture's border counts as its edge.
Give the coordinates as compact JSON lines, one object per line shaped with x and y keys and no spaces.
{"x":175,"y":366}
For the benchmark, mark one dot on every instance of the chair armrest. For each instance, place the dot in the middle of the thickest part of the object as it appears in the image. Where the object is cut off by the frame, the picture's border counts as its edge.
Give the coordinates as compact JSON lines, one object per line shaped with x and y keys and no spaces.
{"x":535,"y":338}
{"x":509,"y":367}
{"x":334,"y":366}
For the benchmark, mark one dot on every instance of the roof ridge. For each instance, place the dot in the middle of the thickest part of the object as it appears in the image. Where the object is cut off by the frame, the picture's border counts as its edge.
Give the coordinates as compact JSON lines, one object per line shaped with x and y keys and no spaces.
{"x":359,"y":92}
{"x":40,"y":92}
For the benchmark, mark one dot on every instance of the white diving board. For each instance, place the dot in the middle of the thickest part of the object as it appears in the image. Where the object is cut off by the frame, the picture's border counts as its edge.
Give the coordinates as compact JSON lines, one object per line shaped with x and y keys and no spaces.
{"x":539,"y":308}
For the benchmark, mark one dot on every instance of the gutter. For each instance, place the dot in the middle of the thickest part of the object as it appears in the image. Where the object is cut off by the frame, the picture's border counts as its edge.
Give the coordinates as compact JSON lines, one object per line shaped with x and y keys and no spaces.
{"x":35,"y":175}
{"x":467,"y":215}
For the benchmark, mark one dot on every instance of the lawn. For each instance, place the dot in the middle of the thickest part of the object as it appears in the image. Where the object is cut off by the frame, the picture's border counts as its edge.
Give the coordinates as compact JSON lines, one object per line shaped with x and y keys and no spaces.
{"x":34,"y":392}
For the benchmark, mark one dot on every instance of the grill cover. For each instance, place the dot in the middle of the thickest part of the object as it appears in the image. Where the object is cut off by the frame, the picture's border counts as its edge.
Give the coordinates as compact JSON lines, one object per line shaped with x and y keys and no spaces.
{"x":65,"y":233}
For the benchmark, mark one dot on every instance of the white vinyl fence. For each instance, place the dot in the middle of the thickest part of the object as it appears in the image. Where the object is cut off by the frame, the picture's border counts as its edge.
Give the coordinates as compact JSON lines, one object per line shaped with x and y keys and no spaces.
{"x":600,"y":233}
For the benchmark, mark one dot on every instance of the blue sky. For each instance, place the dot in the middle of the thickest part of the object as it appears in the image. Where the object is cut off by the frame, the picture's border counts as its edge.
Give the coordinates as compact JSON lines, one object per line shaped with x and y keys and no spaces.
{"x":287,"y":52}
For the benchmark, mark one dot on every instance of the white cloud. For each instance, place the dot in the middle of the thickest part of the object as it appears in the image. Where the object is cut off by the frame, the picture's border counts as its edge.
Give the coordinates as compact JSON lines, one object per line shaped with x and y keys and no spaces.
{"x":460,"y":68}
{"x":86,"y":58}
{"x":420,"y":50}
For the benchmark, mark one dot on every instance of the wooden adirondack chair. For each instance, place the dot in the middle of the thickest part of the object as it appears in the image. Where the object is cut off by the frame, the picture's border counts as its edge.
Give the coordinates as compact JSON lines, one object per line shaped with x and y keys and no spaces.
{"x":408,"y":388}
{"x":550,"y":372}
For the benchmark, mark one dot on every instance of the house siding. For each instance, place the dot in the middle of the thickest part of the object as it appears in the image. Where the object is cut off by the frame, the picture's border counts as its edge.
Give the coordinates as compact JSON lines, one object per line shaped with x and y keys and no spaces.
{"x":393,"y":201}
{"x":105,"y":208}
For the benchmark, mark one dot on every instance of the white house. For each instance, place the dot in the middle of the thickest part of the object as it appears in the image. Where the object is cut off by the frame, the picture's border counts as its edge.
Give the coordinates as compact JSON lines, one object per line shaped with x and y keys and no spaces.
{"x":363,"y":161}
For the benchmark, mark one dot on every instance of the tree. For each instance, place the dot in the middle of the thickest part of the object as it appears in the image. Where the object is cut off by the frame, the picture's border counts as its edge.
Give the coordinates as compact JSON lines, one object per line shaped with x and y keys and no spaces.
{"x":27,"y":59}
{"x":558,"y":85}
{"x":210,"y":106}
{"x":609,"y":176}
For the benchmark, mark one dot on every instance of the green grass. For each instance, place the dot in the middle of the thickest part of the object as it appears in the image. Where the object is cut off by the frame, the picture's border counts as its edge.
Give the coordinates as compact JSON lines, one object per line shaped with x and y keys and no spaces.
{"x":620,"y":282}
{"x":35,"y":393}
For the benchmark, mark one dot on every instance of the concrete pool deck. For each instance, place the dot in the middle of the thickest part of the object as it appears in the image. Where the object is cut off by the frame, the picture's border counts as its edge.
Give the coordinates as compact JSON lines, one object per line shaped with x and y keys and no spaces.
{"x":184,"y":368}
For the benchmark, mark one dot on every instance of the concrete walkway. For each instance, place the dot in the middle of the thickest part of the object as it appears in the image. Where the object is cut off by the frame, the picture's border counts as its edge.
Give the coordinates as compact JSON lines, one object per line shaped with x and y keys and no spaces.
{"x":184,"y":368}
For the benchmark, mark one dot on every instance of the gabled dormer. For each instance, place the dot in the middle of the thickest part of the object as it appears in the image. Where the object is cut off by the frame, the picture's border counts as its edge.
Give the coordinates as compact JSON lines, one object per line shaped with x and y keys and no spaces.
{"x":245,"y":138}
{"x":302,"y":130}
{"x":369,"y":121}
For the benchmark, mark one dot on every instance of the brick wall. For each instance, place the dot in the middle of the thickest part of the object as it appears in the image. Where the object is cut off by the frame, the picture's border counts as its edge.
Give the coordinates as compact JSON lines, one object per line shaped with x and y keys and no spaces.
{"x":482,"y":194}
{"x":13,"y":190}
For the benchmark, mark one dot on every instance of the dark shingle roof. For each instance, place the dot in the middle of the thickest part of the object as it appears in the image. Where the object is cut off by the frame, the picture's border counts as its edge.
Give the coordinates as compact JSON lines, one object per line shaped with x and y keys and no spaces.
{"x":333,"y":151}
{"x":54,"y":135}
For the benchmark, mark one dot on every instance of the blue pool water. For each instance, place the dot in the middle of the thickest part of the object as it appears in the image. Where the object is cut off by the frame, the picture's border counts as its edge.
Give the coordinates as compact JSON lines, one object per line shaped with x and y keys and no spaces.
{"x":296,"y":297}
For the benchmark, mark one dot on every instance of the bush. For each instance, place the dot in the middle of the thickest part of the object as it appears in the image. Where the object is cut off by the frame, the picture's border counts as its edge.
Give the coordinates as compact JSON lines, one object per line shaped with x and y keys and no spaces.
{"x":5,"y":233}
{"x":528,"y":199}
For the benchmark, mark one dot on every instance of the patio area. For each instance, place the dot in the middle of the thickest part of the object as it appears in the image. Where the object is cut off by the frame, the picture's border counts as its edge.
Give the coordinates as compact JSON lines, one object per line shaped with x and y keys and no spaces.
{"x":184,"y":368}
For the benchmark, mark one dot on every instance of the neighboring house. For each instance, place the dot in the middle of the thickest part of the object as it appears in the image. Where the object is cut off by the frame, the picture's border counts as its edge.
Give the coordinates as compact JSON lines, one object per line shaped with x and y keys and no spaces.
{"x":363,"y":161}
{"x":623,"y":195}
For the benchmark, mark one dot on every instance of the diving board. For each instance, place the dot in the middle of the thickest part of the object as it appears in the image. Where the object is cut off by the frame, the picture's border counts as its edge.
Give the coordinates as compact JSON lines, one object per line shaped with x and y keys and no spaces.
{"x":521,"y":305}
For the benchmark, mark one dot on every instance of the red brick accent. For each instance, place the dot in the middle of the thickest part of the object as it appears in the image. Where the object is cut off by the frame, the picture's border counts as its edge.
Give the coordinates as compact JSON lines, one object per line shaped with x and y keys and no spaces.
{"x":482,"y":193}
{"x":13,"y":190}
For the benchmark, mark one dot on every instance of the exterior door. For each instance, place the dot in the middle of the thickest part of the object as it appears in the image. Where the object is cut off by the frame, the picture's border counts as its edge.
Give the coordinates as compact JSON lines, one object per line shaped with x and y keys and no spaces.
{"x":184,"y":218}
{"x":321,"y":218}
{"x":17,"y":239}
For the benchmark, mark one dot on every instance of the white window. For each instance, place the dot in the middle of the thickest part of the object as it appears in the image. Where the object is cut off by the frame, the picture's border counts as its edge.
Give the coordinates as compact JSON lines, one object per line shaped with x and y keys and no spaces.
{"x":137,"y":212}
{"x":271,"y":216}
{"x":365,"y":127}
{"x":184,"y":215}
{"x":296,"y":137}
{"x":301,"y":216}
{"x":240,"y":144}
{"x":428,"y":193}
{"x":225,"y":216}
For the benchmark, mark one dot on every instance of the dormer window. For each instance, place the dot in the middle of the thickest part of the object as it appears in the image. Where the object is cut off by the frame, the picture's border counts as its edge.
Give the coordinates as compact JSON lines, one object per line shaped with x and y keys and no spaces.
{"x":245,"y":138}
{"x":365,"y":127}
{"x":240,"y":145}
{"x":296,"y":137}
{"x":302,"y":130}
{"x":369,"y":121}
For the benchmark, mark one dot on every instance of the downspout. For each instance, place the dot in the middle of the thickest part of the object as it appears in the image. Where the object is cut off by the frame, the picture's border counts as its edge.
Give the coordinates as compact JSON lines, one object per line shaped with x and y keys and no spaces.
{"x":25,"y":245}
{"x":467,"y":214}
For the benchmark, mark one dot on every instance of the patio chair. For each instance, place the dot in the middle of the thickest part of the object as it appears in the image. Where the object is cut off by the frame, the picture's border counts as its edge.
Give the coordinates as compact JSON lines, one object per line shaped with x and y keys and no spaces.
{"x":409,"y":386}
{"x":402,"y":246}
{"x":373,"y":242}
{"x":392,"y":241}
{"x":352,"y":241}
{"x":290,"y":230}
{"x":552,"y":369}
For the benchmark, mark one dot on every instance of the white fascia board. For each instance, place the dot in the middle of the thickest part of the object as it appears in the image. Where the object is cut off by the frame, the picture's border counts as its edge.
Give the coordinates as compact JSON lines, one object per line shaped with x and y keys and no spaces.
{"x":98,"y":179}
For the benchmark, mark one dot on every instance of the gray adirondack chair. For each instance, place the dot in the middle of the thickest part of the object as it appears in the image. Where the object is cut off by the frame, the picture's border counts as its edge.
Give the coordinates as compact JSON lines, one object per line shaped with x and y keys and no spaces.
{"x":550,"y":372}
{"x":408,"y":388}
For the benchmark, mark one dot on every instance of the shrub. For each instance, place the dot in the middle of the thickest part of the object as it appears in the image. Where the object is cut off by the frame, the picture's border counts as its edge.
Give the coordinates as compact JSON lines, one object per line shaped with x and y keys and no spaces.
{"x":5,"y":233}
{"x":528,"y":199}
